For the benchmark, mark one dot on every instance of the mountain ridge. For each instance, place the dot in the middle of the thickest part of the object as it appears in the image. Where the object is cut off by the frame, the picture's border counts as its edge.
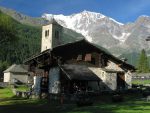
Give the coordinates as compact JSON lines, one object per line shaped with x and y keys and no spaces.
{"x":33,"y":21}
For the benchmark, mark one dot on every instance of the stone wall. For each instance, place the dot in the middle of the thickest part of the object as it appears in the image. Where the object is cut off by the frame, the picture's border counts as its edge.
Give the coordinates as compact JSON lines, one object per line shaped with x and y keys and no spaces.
{"x":12,"y":77}
{"x":111,"y":81}
{"x":128,"y":75}
{"x":128,"y":79}
{"x":37,"y":84}
{"x":54,"y":80}
{"x":112,"y":65}
{"x":108,"y":80}
{"x":7,"y":77}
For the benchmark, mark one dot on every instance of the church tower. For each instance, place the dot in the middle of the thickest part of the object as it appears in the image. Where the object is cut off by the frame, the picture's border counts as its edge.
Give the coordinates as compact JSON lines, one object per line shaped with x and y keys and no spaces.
{"x":51,"y":35}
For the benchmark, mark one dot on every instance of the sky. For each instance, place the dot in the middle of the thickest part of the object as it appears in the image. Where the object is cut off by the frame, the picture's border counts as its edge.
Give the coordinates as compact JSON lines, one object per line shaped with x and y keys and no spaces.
{"x":123,"y":11}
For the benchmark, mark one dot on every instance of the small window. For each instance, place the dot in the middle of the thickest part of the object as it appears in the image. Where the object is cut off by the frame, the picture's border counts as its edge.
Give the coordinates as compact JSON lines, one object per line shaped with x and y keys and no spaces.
{"x":88,"y":57}
{"x":46,"y":33}
{"x":57,"y":34}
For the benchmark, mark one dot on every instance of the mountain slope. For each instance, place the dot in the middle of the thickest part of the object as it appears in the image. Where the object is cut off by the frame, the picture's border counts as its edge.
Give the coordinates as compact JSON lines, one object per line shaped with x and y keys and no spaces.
{"x":24,"y":42}
{"x":24,"y":19}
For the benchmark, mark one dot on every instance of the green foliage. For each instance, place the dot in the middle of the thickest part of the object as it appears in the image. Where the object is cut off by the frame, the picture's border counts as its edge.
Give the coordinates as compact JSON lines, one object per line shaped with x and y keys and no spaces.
{"x":143,"y":64}
{"x":3,"y":65}
{"x":7,"y":30}
{"x":17,"y":41}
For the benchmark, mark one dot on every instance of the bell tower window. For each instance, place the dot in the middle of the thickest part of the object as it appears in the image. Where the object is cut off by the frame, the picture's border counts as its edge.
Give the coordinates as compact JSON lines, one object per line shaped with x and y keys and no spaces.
{"x":46,"y":33}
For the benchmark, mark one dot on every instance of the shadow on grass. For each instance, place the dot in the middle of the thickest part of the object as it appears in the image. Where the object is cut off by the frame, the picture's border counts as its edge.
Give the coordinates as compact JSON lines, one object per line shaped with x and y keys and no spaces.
{"x":103,"y":105}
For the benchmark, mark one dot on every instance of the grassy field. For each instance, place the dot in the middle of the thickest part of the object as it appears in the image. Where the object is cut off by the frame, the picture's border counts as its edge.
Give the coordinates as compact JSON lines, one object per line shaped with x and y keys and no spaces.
{"x":133,"y":103}
{"x":5,"y":93}
{"x":22,"y":88}
{"x":141,"y":82}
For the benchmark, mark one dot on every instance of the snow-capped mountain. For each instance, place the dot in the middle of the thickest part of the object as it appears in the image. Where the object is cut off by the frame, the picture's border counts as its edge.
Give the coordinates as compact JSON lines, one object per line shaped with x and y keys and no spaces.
{"x":107,"y":32}
{"x":83,"y":21}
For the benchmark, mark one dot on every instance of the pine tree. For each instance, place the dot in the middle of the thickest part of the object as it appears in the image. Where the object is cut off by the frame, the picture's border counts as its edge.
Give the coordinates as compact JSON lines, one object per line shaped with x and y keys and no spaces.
{"x":143,"y":64}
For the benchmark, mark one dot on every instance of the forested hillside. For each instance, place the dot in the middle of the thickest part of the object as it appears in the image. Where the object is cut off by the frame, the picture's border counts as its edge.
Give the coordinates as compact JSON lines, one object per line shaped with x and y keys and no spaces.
{"x":17,"y":41}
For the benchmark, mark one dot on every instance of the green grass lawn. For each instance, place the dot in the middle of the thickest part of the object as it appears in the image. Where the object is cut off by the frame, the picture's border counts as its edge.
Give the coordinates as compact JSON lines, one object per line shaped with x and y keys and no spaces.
{"x":22,"y":88}
{"x":6,"y":93}
{"x":141,"y":82}
{"x":132,"y":103}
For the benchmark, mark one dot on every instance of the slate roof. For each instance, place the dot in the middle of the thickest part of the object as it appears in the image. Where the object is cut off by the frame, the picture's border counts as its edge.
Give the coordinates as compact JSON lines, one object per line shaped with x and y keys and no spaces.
{"x":16,"y":69}
{"x":80,"y":45}
{"x":79,"y":72}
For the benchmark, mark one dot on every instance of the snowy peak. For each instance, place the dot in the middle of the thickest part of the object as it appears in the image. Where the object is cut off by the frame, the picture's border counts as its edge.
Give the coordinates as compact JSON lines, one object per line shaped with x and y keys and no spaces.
{"x":92,"y":15}
{"x":84,"y":14}
{"x":87,"y":21}
{"x":107,"y":32}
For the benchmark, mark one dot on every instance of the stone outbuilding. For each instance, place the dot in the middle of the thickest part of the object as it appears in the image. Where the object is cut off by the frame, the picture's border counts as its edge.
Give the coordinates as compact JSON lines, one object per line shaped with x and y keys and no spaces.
{"x":16,"y":73}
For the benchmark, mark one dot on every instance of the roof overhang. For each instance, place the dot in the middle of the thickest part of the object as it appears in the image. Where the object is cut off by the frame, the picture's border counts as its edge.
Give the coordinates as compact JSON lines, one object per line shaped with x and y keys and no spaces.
{"x":79,"y":72}
{"x":38,"y":58}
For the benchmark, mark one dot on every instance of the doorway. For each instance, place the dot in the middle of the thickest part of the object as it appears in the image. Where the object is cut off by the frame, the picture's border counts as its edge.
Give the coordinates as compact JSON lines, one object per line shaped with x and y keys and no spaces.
{"x":120,"y":81}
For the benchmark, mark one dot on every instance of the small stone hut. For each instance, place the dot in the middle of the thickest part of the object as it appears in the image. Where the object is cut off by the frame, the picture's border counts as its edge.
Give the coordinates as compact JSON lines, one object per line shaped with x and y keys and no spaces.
{"x":16,"y":73}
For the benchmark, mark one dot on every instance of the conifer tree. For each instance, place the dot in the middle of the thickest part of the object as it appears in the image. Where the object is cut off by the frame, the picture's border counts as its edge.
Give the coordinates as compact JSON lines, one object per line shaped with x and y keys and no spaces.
{"x":143,"y":64}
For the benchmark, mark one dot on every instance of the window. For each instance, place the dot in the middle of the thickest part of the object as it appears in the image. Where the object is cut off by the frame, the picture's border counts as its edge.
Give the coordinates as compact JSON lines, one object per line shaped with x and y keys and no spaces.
{"x":88,"y":57}
{"x":57,"y":34}
{"x":46,"y":33}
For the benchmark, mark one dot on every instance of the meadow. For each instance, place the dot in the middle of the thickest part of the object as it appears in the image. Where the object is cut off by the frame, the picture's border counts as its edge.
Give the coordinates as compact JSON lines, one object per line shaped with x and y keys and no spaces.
{"x":133,"y":103}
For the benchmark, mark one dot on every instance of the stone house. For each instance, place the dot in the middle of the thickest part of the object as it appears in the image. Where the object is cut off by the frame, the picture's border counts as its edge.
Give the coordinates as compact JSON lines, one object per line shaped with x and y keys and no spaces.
{"x":16,"y":73}
{"x":77,"y":66}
